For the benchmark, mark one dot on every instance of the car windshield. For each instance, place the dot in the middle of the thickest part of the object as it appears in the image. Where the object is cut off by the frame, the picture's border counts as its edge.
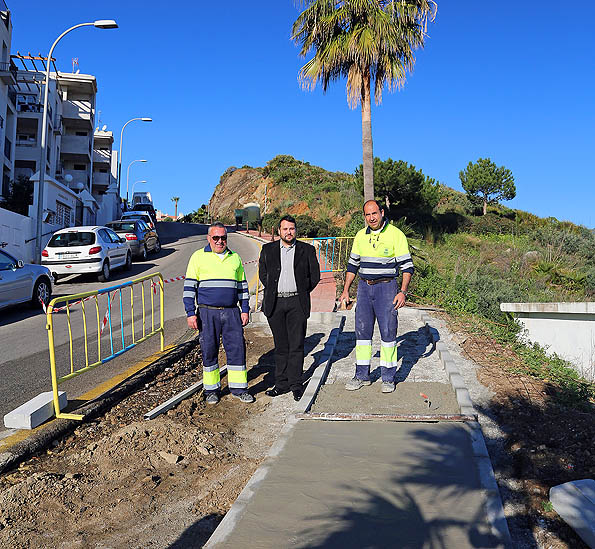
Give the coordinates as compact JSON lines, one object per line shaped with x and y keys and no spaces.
{"x":71,"y":238}
{"x":136,"y":216}
{"x":121,"y":227}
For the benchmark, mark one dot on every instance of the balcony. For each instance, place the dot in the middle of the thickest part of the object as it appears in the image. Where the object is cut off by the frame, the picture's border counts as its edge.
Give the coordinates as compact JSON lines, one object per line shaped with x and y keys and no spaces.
{"x":8,"y":73}
{"x":26,"y":141}
{"x":77,"y":110}
{"x":102,"y":156}
{"x":78,"y":176}
{"x":102,"y":179}
{"x":76,"y":147}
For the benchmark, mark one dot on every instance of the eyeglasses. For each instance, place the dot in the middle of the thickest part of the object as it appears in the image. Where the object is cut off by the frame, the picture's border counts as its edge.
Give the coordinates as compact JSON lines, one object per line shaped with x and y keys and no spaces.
{"x":218,"y":238}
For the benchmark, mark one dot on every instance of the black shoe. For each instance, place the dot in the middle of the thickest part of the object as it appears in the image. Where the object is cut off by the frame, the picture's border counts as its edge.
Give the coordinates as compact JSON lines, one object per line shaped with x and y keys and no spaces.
{"x":297,"y":394}
{"x":274,"y":392}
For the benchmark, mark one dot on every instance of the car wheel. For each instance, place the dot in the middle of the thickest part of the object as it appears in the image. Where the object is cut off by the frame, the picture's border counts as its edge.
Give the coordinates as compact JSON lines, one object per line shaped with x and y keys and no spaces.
{"x":42,"y":293}
{"x":157,"y":246}
{"x":128,"y":265}
{"x":144,"y":253}
{"x":105,"y":273}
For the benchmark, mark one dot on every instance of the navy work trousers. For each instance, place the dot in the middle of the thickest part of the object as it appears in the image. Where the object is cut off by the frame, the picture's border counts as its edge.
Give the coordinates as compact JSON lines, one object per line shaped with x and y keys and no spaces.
{"x":224,"y":324}
{"x":375,"y":303}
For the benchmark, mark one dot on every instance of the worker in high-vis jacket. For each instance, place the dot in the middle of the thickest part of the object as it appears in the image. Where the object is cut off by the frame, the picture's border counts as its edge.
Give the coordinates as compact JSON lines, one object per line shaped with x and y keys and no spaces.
{"x":380,"y":252}
{"x":215,"y":283}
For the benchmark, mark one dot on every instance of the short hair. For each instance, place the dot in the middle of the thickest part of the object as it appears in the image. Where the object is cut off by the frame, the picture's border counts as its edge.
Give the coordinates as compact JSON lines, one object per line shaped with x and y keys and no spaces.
{"x":217,"y":224}
{"x":287,"y":218}
{"x":380,"y":208}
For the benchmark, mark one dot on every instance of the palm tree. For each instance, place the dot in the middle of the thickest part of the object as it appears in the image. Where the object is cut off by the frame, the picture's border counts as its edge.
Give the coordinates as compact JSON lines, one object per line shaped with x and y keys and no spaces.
{"x":175,"y":199}
{"x":361,"y":40}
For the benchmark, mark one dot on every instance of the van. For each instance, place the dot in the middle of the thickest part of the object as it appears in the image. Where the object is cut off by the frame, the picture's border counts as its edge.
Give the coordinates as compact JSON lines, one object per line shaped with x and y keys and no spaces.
{"x":141,"y":198}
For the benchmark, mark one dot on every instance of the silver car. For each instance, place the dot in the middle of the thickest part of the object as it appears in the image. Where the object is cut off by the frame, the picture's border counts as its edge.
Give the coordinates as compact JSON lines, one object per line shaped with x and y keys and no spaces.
{"x":21,"y":283}
{"x":141,"y":238}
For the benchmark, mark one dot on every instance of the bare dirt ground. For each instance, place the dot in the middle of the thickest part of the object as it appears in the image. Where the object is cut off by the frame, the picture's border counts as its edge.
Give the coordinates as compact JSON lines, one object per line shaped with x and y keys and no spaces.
{"x":547,"y":442}
{"x":123,"y":481}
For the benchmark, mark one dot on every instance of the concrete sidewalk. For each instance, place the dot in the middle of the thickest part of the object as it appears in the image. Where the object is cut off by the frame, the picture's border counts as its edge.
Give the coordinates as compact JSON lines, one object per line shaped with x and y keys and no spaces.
{"x":374,"y":483}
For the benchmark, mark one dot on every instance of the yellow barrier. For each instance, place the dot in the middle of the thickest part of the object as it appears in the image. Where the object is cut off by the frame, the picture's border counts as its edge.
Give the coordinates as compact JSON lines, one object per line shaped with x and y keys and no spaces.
{"x":106,"y":322}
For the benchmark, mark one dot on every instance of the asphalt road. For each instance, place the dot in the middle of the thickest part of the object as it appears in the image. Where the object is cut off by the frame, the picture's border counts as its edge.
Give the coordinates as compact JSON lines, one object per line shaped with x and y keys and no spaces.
{"x":24,"y":356}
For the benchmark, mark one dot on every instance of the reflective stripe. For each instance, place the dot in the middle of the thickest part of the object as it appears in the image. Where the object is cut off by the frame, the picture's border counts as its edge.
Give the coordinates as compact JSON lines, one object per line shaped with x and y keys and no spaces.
{"x":408,"y":265}
{"x":189,"y":293}
{"x":363,"y":362}
{"x":387,"y":272}
{"x":363,"y":342}
{"x":237,"y":379}
{"x":379,"y":260}
{"x":210,"y":378}
{"x":210,"y":368}
{"x":211,"y":387}
{"x":218,"y":284}
{"x":404,"y":257}
{"x":388,"y":343}
{"x":239,"y":368}
{"x":388,"y":355}
{"x":363,"y":352}
{"x":386,"y":364}
{"x":244,"y":296}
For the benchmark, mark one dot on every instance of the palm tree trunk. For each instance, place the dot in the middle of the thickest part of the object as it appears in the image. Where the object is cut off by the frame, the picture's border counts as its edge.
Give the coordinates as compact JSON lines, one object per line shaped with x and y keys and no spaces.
{"x":176,"y":214}
{"x":368,"y":150}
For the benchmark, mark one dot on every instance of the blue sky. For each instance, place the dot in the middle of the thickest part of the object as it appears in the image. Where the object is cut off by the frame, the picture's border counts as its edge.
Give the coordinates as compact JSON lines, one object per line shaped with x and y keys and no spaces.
{"x":513,"y":81}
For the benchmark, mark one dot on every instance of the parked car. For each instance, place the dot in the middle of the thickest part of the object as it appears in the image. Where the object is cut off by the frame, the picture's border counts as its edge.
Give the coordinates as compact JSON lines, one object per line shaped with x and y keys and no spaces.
{"x":79,"y":250}
{"x":145,"y":216}
{"x":141,"y":238}
{"x":146,"y":208}
{"x":21,"y":282}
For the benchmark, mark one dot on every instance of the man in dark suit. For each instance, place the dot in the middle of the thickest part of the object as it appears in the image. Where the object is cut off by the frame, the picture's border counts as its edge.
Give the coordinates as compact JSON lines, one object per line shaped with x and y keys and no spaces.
{"x":289,"y":271}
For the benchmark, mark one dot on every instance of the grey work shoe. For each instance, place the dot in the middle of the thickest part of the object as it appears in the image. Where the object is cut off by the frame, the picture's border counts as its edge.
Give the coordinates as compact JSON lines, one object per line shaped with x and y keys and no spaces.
{"x":212,"y":398}
{"x":388,"y":386}
{"x":244,"y":397}
{"x":355,"y":384}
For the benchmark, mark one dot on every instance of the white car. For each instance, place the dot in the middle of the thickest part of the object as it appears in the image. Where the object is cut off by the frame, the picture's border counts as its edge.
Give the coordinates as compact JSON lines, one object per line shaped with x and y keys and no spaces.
{"x":21,"y":282}
{"x":79,"y":250}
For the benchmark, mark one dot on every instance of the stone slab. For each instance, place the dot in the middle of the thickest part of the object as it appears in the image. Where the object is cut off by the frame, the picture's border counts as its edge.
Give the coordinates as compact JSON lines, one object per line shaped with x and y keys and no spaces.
{"x":35,"y":411}
{"x":406,"y":399}
{"x":575,"y":503}
{"x":374,"y":485}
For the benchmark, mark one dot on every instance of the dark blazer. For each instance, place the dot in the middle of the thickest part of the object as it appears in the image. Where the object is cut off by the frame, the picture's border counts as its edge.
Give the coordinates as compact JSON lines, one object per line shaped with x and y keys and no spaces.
{"x":305,"y":268}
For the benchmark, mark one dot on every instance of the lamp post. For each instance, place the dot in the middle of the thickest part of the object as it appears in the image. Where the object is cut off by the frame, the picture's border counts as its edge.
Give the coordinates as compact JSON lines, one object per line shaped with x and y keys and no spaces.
{"x":144,"y":119}
{"x":128,"y":175}
{"x":100,"y":24}
{"x":141,"y":181}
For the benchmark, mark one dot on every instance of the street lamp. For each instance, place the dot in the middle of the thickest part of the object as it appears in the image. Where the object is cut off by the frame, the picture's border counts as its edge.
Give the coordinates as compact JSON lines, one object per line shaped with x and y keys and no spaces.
{"x":100,"y":24}
{"x":128,"y":175}
{"x":143,"y":119}
{"x":141,"y":181}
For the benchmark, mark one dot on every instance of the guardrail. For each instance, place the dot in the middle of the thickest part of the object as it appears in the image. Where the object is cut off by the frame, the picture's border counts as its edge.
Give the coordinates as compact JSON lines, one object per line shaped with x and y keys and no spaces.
{"x":103,"y":323}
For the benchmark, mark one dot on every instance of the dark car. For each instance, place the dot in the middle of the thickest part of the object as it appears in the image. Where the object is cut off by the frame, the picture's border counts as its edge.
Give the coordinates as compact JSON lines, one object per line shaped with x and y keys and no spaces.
{"x":141,"y":238}
{"x":146,"y":208}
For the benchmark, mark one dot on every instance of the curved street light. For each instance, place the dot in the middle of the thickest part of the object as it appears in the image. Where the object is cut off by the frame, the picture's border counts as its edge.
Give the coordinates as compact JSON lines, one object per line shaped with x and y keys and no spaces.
{"x":100,"y":24}
{"x":143,"y":119}
{"x":128,"y":175}
{"x":141,"y":181}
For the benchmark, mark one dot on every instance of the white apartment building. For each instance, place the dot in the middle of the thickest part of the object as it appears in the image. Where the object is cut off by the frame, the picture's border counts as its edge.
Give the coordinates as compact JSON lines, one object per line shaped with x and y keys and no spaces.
{"x":8,"y":73}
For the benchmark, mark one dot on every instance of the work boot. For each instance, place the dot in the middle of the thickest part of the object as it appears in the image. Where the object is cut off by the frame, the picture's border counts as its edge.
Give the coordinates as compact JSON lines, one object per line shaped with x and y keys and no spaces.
{"x":246,"y":397}
{"x":355,"y":384}
{"x":212,"y":398}
{"x":388,"y":386}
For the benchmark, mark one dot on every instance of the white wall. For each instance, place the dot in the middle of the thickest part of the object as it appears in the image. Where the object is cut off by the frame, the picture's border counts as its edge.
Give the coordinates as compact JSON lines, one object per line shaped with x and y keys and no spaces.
{"x":566,"y":329}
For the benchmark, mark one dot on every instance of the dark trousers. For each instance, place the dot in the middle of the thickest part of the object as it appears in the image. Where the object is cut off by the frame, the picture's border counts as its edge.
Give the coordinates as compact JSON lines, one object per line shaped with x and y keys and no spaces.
{"x":288,"y":324}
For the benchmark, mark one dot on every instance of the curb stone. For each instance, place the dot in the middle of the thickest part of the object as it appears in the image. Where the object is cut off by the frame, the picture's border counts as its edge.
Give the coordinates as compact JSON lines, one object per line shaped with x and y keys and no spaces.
{"x":43,"y":438}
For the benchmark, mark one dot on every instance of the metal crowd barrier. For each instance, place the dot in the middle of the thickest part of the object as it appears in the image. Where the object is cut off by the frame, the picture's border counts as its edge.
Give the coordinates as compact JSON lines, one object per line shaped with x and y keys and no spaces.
{"x":126,"y":326}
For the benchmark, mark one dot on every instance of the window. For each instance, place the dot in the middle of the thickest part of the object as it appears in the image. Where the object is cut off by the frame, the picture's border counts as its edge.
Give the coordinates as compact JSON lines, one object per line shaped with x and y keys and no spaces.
{"x":7,"y":262}
{"x":72,"y":238}
{"x":82,"y":134}
{"x":115,"y":238}
{"x":105,"y":236}
{"x":62,"y":216}
{"x":80,"y":167}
